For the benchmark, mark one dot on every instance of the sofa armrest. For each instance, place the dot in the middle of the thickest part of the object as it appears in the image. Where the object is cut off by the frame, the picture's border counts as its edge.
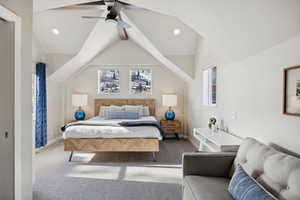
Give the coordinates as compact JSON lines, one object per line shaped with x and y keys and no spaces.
{"x":208,"y":164}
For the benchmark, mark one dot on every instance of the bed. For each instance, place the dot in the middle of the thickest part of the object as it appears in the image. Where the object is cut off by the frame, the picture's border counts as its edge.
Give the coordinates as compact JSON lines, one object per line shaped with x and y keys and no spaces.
{"x":101,"y":135}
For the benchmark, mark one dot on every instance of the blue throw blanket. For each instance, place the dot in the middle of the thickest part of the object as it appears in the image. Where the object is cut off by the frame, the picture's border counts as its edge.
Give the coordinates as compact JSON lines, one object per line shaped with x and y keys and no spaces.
{"x":142,"y":123}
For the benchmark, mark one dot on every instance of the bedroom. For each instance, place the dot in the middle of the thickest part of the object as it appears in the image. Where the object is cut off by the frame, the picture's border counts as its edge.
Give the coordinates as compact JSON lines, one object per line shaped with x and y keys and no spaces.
{"x":112,"y":78}
{"x":137,"y":99}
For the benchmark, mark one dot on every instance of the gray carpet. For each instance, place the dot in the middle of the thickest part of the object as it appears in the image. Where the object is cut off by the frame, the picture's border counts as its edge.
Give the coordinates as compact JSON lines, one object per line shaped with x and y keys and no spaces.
{"x":110,"y":176}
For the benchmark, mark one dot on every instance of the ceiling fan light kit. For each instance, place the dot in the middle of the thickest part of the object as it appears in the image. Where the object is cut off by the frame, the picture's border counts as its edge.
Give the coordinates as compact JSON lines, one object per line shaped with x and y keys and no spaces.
{"x":107,"y":20}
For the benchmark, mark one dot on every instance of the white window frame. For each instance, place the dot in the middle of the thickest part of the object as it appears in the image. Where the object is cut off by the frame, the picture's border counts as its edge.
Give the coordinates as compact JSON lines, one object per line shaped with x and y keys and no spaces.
{"x":207,"y":93}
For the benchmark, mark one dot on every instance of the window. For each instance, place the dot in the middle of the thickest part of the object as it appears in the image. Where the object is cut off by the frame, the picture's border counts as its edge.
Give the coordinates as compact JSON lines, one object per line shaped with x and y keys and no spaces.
{"x":210,"y":86}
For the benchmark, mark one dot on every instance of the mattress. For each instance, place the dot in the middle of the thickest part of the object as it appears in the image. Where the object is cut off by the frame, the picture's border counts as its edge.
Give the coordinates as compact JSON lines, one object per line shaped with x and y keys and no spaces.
{"x":109,"y":131}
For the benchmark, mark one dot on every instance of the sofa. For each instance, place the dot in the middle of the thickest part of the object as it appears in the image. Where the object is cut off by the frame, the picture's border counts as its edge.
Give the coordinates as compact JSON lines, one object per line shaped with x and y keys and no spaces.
{"x":206,"y":176}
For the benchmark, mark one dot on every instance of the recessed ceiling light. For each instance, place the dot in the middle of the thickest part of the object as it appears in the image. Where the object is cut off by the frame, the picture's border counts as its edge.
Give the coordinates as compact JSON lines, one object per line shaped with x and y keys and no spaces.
{"x":55,"y":31}
{"x":177,"y":31}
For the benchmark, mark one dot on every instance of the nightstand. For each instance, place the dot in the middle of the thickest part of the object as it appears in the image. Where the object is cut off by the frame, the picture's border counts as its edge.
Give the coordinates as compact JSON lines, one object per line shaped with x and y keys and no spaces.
{"x":171,"y":127}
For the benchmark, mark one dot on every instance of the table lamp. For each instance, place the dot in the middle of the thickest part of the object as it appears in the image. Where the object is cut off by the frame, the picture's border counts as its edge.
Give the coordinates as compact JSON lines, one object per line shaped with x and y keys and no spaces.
{"x":79,"y":100}
{"x":169,"y":100}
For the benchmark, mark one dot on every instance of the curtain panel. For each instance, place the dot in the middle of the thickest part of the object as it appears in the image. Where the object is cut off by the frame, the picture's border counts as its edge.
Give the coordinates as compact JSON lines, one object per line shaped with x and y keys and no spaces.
{"x":41,"y":106}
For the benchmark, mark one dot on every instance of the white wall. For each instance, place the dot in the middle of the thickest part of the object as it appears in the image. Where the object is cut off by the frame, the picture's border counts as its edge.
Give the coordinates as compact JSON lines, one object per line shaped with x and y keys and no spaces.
{"x":54,"y":109}
{"x":54,"y":98}
{"x":236,"y":28}
{"x":124,"y":56}
{"x":38,"y":54}
{"x":251,"y":89}
{"x":24,"y":10}
{"x":7,"y":145}
{"x":162,"y":83}
{"x":54,"y":90}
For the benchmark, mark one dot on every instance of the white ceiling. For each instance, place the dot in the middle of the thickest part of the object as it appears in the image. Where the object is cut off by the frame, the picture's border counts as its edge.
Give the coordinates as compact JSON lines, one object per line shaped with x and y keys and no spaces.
{"x":234,"y":29}
{"x":74,"y":30}
{"x":159,"y":29}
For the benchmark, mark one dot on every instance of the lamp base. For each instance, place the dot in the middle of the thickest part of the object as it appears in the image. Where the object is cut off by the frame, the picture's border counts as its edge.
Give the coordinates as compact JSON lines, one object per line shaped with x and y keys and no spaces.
{"x":170,"y":115}
{"x":79,"y":114}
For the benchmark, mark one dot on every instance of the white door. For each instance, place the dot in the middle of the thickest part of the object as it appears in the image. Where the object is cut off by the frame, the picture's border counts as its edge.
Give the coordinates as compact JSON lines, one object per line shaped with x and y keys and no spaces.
{"x":6,"y":110}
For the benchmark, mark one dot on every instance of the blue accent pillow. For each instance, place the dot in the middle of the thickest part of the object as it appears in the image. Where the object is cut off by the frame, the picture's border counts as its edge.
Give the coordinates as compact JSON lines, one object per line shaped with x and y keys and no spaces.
{"x":243,"y":187}
{"x":122,"y":114}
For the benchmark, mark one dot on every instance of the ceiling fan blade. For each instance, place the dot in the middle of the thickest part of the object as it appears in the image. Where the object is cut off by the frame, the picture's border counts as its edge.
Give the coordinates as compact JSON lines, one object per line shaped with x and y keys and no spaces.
{"x":123,"y":24}
{"x":96,"y":3}
{"x":92,"y":17}
{"x":81,"y":8}
{"x":84,"y":6}
{"x":130,"y":6}
{"x":122,"y":33}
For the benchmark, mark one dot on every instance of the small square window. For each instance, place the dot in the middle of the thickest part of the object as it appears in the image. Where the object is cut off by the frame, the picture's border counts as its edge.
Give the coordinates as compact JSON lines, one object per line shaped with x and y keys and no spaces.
{"x":210,"y":86}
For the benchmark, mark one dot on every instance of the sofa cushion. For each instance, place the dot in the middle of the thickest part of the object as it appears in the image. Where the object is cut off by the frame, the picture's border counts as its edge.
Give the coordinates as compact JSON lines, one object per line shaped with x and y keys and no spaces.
{"x":277,"y":172}
{"x":243,"y":187}
{"x":206,"y":188}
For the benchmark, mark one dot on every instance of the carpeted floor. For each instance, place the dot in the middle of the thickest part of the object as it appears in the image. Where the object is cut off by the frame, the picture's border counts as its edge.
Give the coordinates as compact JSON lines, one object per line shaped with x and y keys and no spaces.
{"x":110,"y":176}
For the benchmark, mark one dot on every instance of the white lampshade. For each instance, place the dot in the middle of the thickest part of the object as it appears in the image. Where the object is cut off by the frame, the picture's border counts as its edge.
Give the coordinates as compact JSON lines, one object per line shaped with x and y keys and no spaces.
{"x":169,"y":100}
{"x":79,"y":100}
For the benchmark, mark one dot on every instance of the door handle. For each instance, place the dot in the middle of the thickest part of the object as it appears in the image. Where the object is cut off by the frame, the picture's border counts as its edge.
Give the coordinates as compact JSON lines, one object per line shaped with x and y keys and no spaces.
{"x":6,"y":134}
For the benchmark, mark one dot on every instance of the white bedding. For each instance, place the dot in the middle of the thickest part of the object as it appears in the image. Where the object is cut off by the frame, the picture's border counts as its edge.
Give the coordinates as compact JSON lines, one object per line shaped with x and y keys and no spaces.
{"x":83,"y":131}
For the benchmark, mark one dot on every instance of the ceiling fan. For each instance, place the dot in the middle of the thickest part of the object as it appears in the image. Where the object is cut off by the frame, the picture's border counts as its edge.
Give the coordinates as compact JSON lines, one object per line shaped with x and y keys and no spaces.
{"x":113,"y":13}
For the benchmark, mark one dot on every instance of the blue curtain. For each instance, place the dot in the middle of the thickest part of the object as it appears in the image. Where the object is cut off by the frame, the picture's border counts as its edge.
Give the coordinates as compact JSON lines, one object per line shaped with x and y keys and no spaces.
{"x":41,"y":106}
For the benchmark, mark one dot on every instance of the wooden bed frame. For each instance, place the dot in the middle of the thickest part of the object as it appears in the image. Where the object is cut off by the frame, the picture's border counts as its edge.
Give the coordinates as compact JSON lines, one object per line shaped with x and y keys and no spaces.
{"x":115,"y":145}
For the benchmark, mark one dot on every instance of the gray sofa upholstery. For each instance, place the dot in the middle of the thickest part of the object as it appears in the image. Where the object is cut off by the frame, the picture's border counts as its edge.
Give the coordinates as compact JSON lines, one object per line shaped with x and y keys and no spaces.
{"x":207,"y":175}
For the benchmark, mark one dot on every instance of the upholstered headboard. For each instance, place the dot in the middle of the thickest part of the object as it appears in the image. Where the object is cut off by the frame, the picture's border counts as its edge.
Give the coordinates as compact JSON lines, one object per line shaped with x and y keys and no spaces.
{"x":119,"y":102}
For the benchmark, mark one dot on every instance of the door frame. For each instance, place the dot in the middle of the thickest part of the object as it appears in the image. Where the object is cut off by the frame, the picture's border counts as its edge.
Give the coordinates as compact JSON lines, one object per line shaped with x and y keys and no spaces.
{"x":11,"y":17}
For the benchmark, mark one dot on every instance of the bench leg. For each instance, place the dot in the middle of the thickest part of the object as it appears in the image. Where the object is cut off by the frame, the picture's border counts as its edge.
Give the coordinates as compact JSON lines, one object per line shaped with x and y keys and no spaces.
{"x":71,"y":155}
{"x":177,"y":136}
{"x":154,"y":156}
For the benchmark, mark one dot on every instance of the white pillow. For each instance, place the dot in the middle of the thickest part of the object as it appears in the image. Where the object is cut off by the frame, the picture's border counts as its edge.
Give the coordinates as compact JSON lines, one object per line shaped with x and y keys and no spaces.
{"x":146,"y":111}
{"x":104,"y":111}
{"x":139,"y":109}
{"x":116,"y":108}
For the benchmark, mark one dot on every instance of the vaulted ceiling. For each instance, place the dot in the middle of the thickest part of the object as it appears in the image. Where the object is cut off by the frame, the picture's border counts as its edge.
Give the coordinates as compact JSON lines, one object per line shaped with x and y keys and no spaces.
{"x":87,"y":38}
{"x":234,"y":29}
{"x":74,"y":30}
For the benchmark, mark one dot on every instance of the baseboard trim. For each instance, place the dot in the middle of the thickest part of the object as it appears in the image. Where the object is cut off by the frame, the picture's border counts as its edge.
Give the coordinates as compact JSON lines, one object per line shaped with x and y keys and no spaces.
{"x":50,"y":143}
{"x":193,"y":142}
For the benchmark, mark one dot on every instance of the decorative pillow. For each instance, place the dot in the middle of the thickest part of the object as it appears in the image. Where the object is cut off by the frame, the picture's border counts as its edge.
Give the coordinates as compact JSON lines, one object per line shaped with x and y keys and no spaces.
{"x":115,"y":108}
{"x":103,"y":111}
{"x":146,"y":112}
{"x":243,"y":187}
{"x":122,"y":114}
{"x":139,"y":109}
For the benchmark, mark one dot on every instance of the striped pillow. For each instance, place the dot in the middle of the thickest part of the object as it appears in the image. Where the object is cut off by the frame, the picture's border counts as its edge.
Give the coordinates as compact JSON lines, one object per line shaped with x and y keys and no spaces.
{"x":139,"y":109}
{"x":243,"y":187}
{"x":122,"y":114}
{"x":146,"y":111}
{"x":103,"y":111}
